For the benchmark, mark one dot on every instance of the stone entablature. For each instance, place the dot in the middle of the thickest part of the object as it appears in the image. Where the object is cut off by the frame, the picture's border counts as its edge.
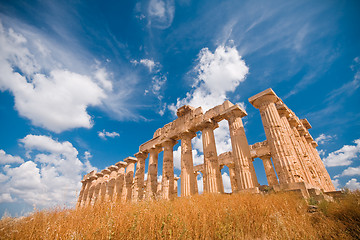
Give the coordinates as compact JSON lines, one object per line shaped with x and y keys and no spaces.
{"x":289,"y":155}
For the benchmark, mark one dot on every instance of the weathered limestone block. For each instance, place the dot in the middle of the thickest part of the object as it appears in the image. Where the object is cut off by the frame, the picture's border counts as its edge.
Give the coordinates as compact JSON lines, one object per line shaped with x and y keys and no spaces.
{"x":213,"y":180}
{"x":138,"y":191}
{"x":151,"y":186}
{"x":129,"y":177}
{"x":265,"y":102}
{"x":244,"y":169}
{"x":187,"y":176}
{"x":167,"y":184}
{"x":119,"y":181}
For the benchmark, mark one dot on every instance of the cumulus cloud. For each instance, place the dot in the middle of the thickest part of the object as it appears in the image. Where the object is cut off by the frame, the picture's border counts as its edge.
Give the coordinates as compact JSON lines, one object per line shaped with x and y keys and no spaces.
{"x":351,"y":171}
{"x":336,"y":183}
{"x":322,"y":138}
{"x":50,"y":96}
{"x":8,"y":158}
{"x":161,"y":13}
{"x":344,"y":156}
{"x":352,"y":184}
{"x":217,"y":74}
{"x":50,"y":177}
{"x":103,"y":134}
{"x":226,"y":182}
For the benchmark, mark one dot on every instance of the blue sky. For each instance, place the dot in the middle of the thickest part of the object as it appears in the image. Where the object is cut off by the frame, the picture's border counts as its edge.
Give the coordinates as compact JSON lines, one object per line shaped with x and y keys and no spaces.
{"x":84,"y":83}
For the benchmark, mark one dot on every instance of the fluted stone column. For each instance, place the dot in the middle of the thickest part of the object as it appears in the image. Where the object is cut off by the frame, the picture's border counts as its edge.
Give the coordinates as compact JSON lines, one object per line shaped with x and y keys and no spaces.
{"x":275,"y":134}
{"x":151,"y":186}
{"x":244,"y":172}
{"x":91,"y":191}
{"x":138,"y":193}
{"x":103,"y":186}
{"x":175,"y":192}
{"x":298,"y":169}
{"x":111,"y":183}
{"x":86,"y":191}
{"x":269,"y":170}
{"x":99,"y":181}
{"x":81,"y":194}
{"x":232,"y":176}
{"x":129,"y":177}
{"x":187,"y":165}
{"x":119,"y":182}
{"x":329,"y":186}
{"x":211,"y":164}
{"x":167,"y":183}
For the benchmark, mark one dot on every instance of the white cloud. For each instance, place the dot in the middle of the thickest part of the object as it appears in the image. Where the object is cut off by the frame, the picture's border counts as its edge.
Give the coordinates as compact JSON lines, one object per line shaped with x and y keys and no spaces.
{"x":105,"y":134}
{"x":217,"y":74}
{"x":9,"y":159}
{"x":336,"y":183}
{"x":352,"y":184}
{"x":351,"y":171}
{"x":343,"y":156}
{"x":50,"y":177}
{"x":226,"y":182}
{"x":200,"y":183}
{"x":322,"y":138}
{"x":46,"y":92}
{"x":150,"y":64}
{"x":161,"y":13}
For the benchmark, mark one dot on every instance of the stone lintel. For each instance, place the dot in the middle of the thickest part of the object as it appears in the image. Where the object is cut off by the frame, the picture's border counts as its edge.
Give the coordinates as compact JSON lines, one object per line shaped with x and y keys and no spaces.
{"x":113,"y":168}
{"x":184,"y":110}
{"x":306,"y":123}
{"x":267,"y":92}
{"x":308,"y":138}
{"x":198,"y":168}
{"x":259,"y":149}
{"x":226,"y":158}
{"x":129,"y":160}
{"x":121,"y":164}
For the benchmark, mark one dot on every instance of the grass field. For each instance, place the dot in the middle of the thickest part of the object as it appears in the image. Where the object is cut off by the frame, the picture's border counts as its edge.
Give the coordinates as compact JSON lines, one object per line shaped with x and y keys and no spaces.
{"x":237,"y":216}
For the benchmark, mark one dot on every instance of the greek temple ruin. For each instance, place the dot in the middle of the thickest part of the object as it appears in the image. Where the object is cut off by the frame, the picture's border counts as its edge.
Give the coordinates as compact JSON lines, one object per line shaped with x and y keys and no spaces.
{"x":289,"y":155}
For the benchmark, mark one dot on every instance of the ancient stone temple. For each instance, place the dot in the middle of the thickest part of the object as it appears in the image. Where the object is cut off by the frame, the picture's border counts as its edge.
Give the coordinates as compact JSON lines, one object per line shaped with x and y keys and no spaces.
{"x":289,"y":155}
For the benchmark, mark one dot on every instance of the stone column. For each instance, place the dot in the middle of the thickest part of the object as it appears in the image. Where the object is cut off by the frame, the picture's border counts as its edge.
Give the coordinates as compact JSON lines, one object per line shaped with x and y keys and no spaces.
{"x":187,"y":165}
{"x":246,"y":178}
{"x":275,"y":134}
{"x":167,"y":184}
{"x":269,"y":170}
{"x":138,"y":193}
{"x":81,"y":194}
{"x":196,"y":185}
{"x":90,"y":195}
{"x":103,"y":186}
{"x":232,"y":176}
{"x":99,"y":181}
{"x":119,"y":182}
{"x":129,"y":177}
{"x":86,"y":191}
{"x":211,"y":164}
{"x":329,"y":186}
{"x":298,"y":169}
{"x":111,"y":183}
{"x":175,"y":193}
{"x":151,"y":186}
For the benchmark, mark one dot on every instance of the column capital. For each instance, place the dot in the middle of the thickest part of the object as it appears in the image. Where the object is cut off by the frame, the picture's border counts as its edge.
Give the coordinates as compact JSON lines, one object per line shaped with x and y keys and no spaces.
{"x":92,"y":178}
{"x":155,"y":149}
{"x":187,"y":134}
{"x":113,"y":168}
{"x":169,"y":142}
{"x":99,"y":175}
{"x":121,"y":164}
{"x":306,"y":123}
{"x":209,"y":124}
{"x":141,"y":155}
{"x":105,"y":171}
{"x":283,"y":110}
{"x":265,"y":97}
{"x":235,"y":112}
{"x":129,"y":160}
{"x":314,"y":144}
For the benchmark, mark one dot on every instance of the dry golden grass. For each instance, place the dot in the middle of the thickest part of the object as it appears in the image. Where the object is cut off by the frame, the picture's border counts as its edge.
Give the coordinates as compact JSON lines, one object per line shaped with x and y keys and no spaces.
{"x":238,"y":216}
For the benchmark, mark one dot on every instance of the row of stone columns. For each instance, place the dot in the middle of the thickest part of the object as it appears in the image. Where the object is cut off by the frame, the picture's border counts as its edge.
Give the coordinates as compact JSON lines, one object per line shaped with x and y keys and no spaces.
{"x":292,"y":149}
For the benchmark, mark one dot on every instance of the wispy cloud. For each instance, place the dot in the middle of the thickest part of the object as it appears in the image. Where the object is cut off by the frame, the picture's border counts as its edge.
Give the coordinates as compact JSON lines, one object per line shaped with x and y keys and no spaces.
{"x":103,"y":134}
{"x":344,"y":156}
{"x":161,"y":13}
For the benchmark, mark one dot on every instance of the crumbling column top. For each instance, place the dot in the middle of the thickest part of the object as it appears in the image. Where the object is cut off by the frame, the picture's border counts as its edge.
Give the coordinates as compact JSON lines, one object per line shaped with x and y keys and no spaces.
{"x":99,"y":174}
{"x":129,"y":160}
{"x":235,"y":111}
{"x":105,"y":171}
{"x":306,"y":123}
{"x":121,"y":164}
{"x":266,"y":95}
{"x":113,"y":168}
{"x":141,"y":155}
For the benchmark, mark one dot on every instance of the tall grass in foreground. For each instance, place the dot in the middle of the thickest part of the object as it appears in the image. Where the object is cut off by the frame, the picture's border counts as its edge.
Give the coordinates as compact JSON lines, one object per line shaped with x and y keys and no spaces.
{"x":237,"y":216}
